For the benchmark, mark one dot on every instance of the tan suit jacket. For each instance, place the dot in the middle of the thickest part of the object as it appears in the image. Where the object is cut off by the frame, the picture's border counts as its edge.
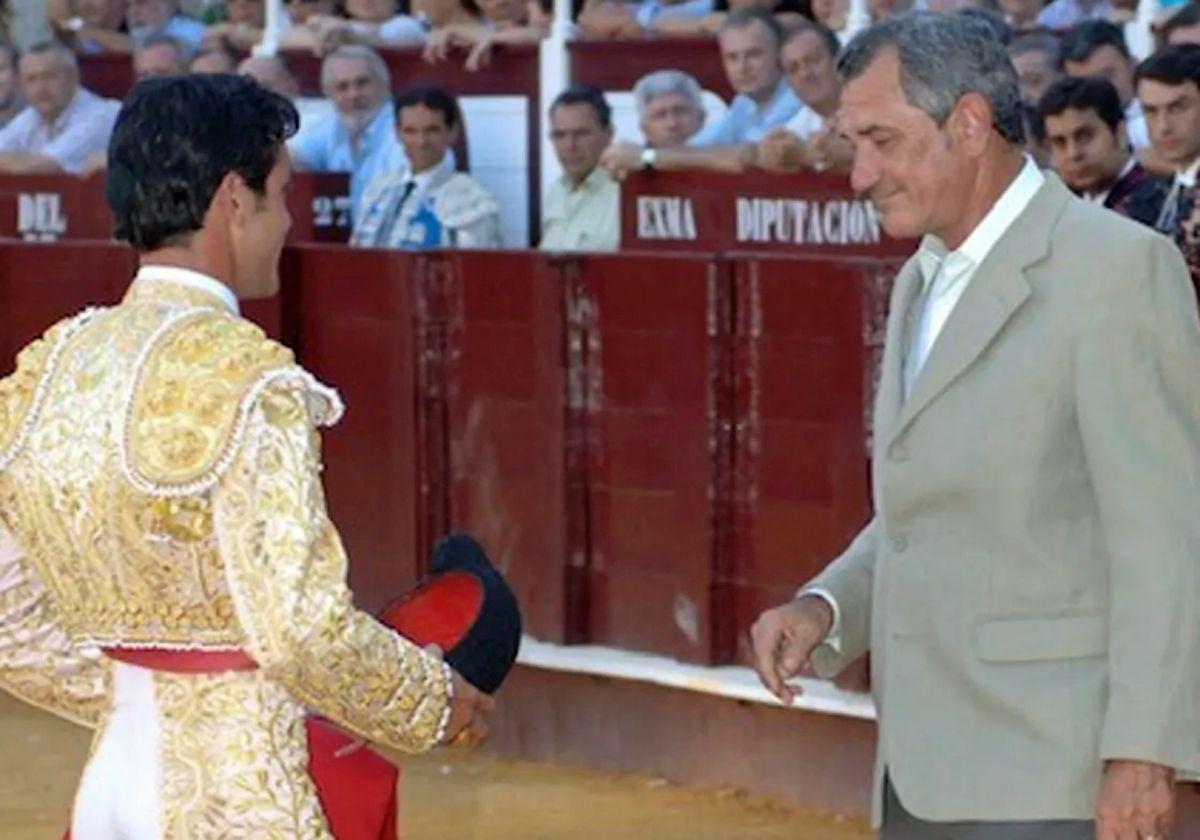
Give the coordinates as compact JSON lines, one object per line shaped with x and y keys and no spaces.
{"x":1029,"y":585}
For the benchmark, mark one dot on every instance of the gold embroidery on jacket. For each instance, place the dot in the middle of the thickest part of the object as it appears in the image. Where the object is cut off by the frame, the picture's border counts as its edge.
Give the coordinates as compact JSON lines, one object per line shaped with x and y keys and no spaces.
{"x":234,"y":759}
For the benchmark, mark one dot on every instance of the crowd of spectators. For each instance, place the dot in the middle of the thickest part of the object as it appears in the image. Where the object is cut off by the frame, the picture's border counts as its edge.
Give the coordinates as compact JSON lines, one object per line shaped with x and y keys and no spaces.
{"x":1115,"y":115}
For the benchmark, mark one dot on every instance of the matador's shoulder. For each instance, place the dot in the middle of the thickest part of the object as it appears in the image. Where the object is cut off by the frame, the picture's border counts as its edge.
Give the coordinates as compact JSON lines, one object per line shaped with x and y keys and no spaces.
{"x":21,"y":391}
{"x":194,"y":388}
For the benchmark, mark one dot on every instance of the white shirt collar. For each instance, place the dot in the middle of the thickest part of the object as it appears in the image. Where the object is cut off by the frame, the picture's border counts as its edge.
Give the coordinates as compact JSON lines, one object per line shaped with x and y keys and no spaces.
{"x":422,"y":179}
{"x":1187,"y":176}
{"x":191,"y":279}
{"x":991,"y":228}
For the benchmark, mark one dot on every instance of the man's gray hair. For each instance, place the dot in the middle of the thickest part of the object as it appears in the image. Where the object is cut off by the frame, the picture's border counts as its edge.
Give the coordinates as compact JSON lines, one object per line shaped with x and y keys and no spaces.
{"x":376,"y":64}
{"x":943,"y":58}
{"x":663,"y":83}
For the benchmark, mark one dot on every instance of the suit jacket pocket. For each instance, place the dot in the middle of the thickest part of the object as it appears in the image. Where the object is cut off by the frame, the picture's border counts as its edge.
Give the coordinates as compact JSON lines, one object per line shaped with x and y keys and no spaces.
{"x":1041,"y":639}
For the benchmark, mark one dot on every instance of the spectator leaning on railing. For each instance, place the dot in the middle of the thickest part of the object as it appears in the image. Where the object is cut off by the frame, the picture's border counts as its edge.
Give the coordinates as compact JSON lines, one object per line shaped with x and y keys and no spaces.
{"x":1089,"y":149}
{"x":161,"y":17}
{"x":359,"y":137}
{"x":582,"y":211}
{"x":374,"y":23}
{"x":11,"y":102}
{"x":63,"y":125}
{"x":159,"y":55}
{"x":90,"y":26}
{"x":1035,"y":57}
{"x":809,"y":56}
{"x":428,"y":204}
{"x":235,"y":25}
{"x":1097,"y":48}
{"x":749,"y":43}
{"x":501,"y":22}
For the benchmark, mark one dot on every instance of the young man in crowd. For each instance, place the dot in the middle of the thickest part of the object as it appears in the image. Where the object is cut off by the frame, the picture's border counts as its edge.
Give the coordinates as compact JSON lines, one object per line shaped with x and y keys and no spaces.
{"x":1089,"y":149}
{"x":427,"y":205}
{"x":1168,"y":85}
{"x":1097,"y":48}
{"x":582,"y":211}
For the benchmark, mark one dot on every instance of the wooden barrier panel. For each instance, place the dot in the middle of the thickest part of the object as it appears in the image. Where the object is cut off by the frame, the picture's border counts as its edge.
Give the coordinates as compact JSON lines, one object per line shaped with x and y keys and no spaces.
{"x":646,"y":345}
{"x":617,"y":65}
{"x":497,"y":321}
{"x":807,"y":213}
{"x":51,"y":208}
{"x":350,"y":315}
{"x":807,"y":344}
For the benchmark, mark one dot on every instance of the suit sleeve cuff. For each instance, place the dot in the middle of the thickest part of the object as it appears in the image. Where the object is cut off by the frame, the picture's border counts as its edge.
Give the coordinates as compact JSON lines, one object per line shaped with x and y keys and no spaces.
{"x":833,"y":639}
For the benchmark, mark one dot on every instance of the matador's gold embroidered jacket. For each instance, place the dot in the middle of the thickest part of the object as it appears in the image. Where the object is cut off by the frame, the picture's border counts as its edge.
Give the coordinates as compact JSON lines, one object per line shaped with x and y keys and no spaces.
{"x":159,"y":487}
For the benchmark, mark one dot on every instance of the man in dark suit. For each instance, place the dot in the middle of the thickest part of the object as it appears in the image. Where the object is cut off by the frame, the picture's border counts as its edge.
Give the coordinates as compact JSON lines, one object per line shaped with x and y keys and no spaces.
{"x":1089,"y":149}
{"x":1168,"y":85}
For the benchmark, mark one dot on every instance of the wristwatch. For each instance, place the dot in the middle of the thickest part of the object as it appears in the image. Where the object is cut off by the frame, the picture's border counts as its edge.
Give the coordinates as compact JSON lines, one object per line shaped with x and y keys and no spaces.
{"x":649,"y":157}
{"x":74,"y":24}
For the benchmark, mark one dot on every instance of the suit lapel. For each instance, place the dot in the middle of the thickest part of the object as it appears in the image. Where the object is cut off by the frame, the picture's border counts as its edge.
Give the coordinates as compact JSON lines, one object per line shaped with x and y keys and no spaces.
{"x":901,"y":315}
{"x":993,"y":295}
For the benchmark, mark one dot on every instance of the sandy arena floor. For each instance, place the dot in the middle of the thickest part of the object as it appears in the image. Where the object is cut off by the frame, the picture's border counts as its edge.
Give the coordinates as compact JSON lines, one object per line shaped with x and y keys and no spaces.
{"x":452,"y":795}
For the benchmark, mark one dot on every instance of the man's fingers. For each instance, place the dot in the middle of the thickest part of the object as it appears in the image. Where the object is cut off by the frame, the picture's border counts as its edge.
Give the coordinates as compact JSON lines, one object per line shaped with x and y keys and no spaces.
{"x":793,"y":658}
{"x":766,"y":636}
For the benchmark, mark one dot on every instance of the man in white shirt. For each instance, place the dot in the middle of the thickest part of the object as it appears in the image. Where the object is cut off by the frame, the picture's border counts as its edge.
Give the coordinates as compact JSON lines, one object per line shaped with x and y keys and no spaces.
{"x":428,"y":204}
{"x":1168,"y":85}
{"x":1098,"y":48}
{"x":582,"y":211}
{"x":63,"y":125}
{"x":1027,"y":586}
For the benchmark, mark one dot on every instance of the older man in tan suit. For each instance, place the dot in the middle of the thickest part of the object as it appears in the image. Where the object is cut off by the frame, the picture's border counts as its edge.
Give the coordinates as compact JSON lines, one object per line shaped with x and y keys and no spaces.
{"x":1029,"y":585}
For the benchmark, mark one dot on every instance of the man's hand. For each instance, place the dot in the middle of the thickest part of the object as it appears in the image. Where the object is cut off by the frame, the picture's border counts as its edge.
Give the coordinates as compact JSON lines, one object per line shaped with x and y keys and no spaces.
{"x":1137,"y":801}
{"x":783,"y":638}
{"x":620,"y":159}
{"x":782,"y":151}
{"x":468,"y":714}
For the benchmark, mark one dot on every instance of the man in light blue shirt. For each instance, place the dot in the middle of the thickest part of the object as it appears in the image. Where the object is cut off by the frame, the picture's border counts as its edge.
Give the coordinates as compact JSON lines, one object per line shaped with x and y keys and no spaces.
{"x":148,"y":18}
{"x":749,"y":42}
{"x":64,"y":124}
{"x":1063,"y":14}
{"x":359,"y":137}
